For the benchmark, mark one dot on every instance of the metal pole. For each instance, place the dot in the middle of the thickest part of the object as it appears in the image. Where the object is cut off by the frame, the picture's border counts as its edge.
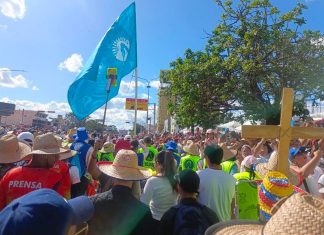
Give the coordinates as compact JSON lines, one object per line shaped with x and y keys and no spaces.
{"x":108,"y":90}
{"x":136,"y":83}
{"x":154,"y":117}
{"x":104,"y":117}
{"x":148,"y":101}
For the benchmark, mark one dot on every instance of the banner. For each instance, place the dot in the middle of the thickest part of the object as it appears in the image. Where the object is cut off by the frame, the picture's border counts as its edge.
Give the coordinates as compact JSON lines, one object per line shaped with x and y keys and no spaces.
{"x":141,"y":104}
{"x":117,"y":49}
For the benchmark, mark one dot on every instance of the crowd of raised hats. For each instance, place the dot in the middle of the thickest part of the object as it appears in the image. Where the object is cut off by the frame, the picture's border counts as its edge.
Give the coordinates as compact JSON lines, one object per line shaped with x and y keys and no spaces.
{"x":196,"y":183}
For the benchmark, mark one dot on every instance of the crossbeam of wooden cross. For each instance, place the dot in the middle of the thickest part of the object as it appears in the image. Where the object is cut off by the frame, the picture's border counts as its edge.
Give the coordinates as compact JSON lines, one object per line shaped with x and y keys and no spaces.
{"x":284,"y":132}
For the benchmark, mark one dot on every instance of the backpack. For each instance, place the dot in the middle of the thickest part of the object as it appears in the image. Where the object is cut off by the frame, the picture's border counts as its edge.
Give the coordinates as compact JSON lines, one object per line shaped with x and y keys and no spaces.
{"x":190,"y":220}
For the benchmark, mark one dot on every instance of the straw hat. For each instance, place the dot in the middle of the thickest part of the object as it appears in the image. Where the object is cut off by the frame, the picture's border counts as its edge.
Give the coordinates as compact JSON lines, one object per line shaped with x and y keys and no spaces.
{"x":125,"y":167}
{"x":227,"y":153}
{"x":263,"y":168}
{"x":107,"y":148}
{"x":11,"y":150}
{"x":49,"y":144}
{"x":191,"y":148}
{"x":299,"y":214}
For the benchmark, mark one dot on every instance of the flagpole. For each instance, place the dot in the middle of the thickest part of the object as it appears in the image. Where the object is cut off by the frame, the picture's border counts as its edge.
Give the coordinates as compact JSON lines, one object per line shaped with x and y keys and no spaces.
{"x":108,"y":90}
{"x":104,"y":117}
{"x":136,"y":83}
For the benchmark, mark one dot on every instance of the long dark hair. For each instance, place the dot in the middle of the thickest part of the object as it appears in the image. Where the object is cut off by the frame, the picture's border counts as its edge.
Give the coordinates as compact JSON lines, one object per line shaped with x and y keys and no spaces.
{"x":166,"y":160}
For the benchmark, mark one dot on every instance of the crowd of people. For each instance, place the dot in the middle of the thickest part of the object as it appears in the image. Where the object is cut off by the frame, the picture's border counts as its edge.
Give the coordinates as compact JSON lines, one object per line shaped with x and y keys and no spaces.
{"x":204,"y":182}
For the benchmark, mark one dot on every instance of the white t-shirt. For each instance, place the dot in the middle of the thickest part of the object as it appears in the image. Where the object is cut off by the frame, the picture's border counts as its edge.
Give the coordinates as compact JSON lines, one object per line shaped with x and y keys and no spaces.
{"x":216,"y":191}
{"x":321,"y":180}
{"x":159,"y":195}
{"x":74,"y":175}
{"x":312,"y":181}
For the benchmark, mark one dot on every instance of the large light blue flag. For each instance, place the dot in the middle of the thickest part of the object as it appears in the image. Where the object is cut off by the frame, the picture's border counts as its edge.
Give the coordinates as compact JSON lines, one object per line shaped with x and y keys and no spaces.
{"x":117,"y":49}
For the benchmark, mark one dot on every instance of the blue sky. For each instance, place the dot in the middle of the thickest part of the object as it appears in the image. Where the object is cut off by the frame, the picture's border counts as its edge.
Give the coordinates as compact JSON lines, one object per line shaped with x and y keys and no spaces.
{"x":51,"y":40}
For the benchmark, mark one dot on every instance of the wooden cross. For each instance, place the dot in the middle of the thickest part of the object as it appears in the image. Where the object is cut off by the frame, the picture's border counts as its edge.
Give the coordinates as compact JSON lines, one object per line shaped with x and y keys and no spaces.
{"x":284,"y":132}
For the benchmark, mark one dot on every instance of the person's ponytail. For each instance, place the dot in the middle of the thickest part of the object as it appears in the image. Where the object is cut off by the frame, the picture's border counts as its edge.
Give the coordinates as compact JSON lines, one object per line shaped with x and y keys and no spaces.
{"x":166,"y":160}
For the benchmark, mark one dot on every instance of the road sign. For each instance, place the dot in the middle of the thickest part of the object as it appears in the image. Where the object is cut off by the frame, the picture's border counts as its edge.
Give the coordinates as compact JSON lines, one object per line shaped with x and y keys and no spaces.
{"x":141,"y":104}
{"x":7,"y":109}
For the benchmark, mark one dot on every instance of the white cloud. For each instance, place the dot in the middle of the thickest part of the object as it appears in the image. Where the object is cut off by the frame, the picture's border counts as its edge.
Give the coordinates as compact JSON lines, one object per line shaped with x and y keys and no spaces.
{"x":319,"y":42}
{"x":72,"y":64}
{"x":143,"y":96}
{"x":116,"y":114}
{"x":35,"y":88}
{"x":155,"y":84}
{"x":128,"y":88}
{"x":10,"y":81}
{"x":3,"y":27}
{"x":14,"y":9}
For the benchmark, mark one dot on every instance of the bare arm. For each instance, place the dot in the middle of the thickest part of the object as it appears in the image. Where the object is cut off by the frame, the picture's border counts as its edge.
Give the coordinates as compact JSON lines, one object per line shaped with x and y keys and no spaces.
{"x":257,"y":149}
{"x":92,"y":168}
{"x":309,"y":167}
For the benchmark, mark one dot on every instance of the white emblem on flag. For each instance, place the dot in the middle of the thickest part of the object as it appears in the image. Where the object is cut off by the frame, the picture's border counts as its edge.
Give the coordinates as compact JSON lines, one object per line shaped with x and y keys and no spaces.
{"x":120,"y":48}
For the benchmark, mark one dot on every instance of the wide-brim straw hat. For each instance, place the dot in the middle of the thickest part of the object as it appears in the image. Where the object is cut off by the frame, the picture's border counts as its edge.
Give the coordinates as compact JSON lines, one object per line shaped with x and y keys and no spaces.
{"x":227,"y":153}
{"x":125,"y":167}
{"x":298,"y":214}
{"x":107,"y":148}
{"x":11,"y":150}
{"x":191,"y":148}
{"x":49,"y":144}
{"x":263,"y":168}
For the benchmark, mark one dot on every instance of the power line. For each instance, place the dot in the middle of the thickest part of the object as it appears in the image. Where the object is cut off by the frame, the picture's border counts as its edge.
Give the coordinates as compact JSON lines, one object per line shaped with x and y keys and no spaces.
{"x":14,"y":70}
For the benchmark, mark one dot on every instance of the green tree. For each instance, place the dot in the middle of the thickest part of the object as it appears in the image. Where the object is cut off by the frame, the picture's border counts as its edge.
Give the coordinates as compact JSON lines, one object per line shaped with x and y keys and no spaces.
{"x":94,"y":126}
{"x":195,"y":84}
{"x":252,"y":54}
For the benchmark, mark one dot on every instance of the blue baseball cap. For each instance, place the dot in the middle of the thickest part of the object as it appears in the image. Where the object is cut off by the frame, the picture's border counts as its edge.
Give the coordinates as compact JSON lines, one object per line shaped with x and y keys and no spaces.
{"x":172,"y":146}
{"x":44,"y":211}
{"x":82,"y":134}
{"x":294,"y":151}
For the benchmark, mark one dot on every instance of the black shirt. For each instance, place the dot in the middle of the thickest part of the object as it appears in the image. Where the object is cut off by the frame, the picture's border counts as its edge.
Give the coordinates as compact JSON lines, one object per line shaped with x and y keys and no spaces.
{"x":167,"y":222}
{"x":118,"y":212}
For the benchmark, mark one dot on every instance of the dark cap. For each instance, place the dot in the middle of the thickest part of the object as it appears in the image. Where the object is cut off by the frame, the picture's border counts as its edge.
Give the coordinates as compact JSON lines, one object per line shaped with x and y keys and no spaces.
{"x":188,"y":181}
{"x":37,"y":212}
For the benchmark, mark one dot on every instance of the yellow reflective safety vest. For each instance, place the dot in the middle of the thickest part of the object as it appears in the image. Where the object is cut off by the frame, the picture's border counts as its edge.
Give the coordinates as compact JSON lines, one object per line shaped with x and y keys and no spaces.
{"x":105,"y":157}
{"x":247,"y":196}
{"x":227,"y":166}
{"x":149,"y":160}
{"x":189,"y":162}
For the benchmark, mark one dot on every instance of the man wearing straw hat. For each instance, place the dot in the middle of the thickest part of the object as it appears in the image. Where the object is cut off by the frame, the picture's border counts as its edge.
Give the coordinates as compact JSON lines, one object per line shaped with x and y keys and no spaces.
{"x":39,"y":173}
{"x":117,"y":211}
{"x":191,"y":158}
{"x":11,"y":151}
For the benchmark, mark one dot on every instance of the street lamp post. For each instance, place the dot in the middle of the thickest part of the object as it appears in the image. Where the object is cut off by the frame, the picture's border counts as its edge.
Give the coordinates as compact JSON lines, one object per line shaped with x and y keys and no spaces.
{"x":148,"y":102}
{"x":148,"y":99}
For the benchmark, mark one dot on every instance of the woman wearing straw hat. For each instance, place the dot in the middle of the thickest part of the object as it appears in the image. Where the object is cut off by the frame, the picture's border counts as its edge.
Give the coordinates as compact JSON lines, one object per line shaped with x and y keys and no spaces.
{"x":39,"y":173}
{"x":117,"y":211}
